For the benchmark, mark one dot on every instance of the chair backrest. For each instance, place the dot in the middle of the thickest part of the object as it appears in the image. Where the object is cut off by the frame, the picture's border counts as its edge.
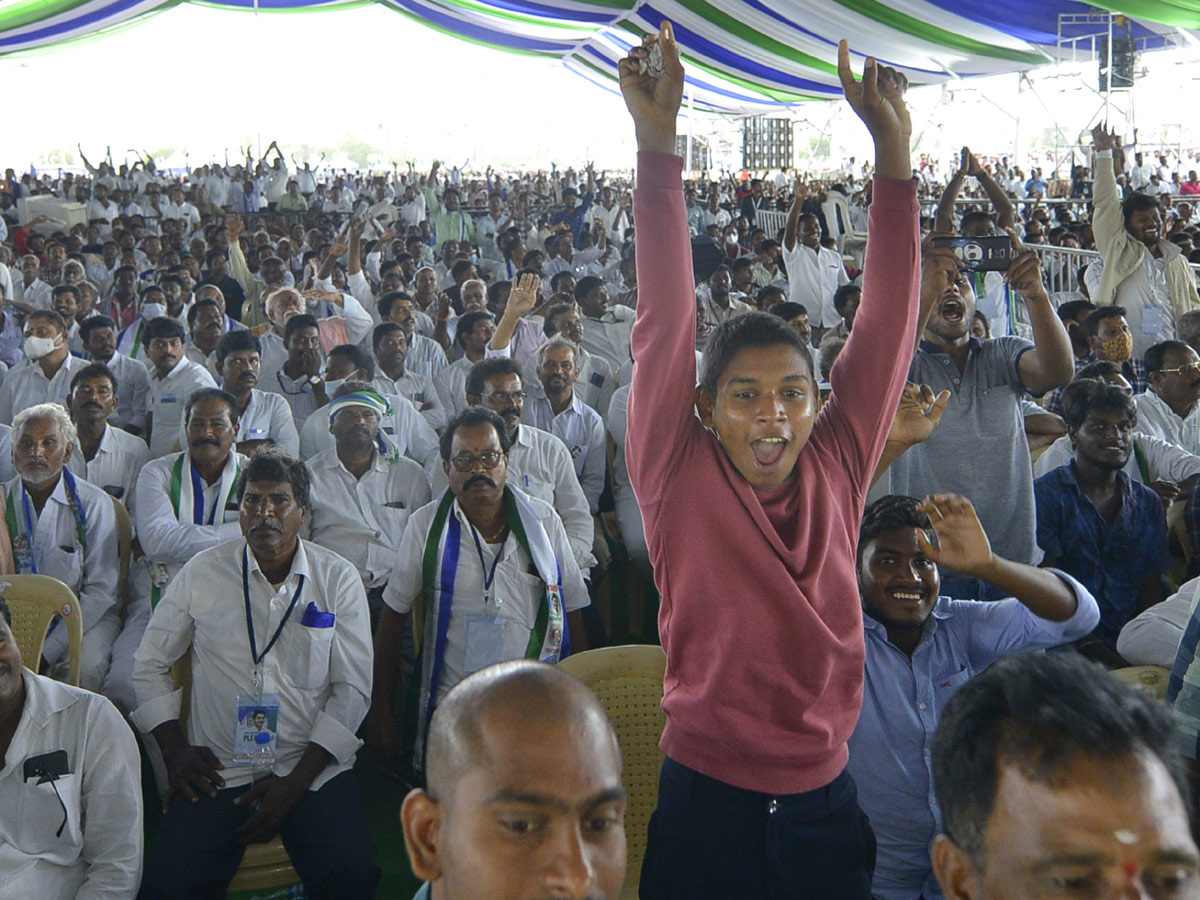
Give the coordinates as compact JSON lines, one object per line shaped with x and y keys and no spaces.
{"x":34,"y":601}
{"x":629,"y":682}
{"x":1151,"y":679}
{"x":124,"y":546}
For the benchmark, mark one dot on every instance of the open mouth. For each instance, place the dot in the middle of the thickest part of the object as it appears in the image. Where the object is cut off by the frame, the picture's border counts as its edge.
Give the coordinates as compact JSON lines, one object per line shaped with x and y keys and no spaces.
{"x":908,"y":596}
{"x":768,"y":451}
{"x":953,"y":311}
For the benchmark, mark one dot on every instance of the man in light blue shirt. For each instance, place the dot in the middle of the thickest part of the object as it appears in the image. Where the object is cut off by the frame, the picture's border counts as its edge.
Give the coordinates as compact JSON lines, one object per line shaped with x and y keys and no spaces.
{"x":921,"y":648}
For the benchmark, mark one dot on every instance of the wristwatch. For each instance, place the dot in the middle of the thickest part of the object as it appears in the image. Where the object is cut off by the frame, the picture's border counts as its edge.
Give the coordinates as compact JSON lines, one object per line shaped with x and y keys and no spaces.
{"x":314,"y":380}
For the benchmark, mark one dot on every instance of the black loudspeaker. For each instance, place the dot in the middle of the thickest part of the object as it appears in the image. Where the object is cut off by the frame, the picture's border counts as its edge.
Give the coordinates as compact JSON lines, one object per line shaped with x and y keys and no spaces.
{"x":767,"y":143}
{"x":701,"y":160}
{"x":1124,"y":58}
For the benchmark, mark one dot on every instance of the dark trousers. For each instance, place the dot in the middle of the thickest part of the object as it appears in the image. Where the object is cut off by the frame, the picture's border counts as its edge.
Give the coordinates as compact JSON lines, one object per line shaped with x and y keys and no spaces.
{"x":708,"y":839}
{"x":196,"y":854}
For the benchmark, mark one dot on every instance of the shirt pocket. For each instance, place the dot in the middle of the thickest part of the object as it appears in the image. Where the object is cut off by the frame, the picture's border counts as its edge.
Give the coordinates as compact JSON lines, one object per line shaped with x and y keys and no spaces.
{"x":947,"y":683}
{"x":65,"y":565}
{"x":40,"y":813}
{"x":308,"y":653}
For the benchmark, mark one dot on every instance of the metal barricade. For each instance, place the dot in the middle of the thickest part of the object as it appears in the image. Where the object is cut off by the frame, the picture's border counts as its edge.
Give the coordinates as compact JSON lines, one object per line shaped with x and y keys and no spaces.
{"x":772,"y":221}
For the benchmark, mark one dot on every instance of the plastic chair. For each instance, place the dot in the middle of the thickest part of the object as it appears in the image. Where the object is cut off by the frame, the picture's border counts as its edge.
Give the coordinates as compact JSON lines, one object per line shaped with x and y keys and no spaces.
{"x":264,"y":866}
{"x":629,"y":682}
{"x":34,"y":601}
{"x":1152,"y":679}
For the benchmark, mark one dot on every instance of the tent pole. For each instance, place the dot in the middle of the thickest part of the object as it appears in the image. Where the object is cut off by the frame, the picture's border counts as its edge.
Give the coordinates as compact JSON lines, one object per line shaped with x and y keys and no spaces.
{"x":691,"y":115}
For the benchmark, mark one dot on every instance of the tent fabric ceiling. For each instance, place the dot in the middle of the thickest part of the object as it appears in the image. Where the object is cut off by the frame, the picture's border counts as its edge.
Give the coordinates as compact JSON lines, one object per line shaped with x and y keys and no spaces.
{"x":742,"y":56}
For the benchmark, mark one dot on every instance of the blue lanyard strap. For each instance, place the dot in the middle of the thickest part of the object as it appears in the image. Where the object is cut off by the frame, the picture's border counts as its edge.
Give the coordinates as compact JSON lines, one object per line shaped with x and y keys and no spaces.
{"x":27,"y":508}
{"x":254,"y":654}
{"x":488,"y":577}
{"x":445,"y":601}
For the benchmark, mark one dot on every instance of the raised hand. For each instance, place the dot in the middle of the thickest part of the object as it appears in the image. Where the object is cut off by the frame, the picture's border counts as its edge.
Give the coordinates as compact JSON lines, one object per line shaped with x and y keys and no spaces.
{"x":234,"y":226}
{"x":879,"y":101}
{"x":524,"y":296}
{"x":962,"y":543}
{"x":1025,"y":271}
{"x":970,"y":165}
{"x":654,"y":102}
{"x":917,"y":414}
{"x":1102,"y":138}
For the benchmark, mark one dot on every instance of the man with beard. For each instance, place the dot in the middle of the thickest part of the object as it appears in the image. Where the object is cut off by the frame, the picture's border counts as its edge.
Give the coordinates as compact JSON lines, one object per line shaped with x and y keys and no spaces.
{"x":1143,"y":271}
{"x":64,"y":527}
{"x":275,"y":623}
{"x":1096,"y":523}
{"x":596,"y":381}
{"x":99,"y":336}
{"x":486,"y":607}
{"x":425,"y":355}
{"x":715,"y":299}
{"x":921,"y":648}
{"x":263,"y":418}
{"x":607,"y":329}
{"x":987,"y":380}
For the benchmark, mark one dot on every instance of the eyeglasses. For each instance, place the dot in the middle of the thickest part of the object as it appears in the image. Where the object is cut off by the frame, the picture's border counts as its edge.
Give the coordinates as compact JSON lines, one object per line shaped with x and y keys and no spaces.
{"x":1190,"y":368}
{"x":465,"y":462}
{"x":501,"y":397}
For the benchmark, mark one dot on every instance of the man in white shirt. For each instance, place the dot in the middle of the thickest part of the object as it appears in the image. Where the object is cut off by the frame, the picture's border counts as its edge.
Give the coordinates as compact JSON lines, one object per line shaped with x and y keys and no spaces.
{"x":106,"y":456}
{"x":340,"y":320}
{"x":1169,"y":408}
{"x":363,"y":492}
{"x":390,"y":344}
{"x":263,"y":418}
{"x":715,"y":299}
{"x":173,"y":380}
{"x":62,"y":526}
{"x":278,"y":626}
{"x":31,"y":292}
{"x":45,"y":376}
{"x":75,"y":830}
{"x":552,"y":406}
{"x":814,"y":272}
{"x":425,"y":355}
{"x":596,"y":381}
{"x":539,"y":463}
{"x":1153,"y":638}
{"x":180,"y":209}
{"x":489,"y":608}
{"x":473,"y":331}
{"x":99,"y":336}
{"x":607,"y":330}
{"x":131,"y":341}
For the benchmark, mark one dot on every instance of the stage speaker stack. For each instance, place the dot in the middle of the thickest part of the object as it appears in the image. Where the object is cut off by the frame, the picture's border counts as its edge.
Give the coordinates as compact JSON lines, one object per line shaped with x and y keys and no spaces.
{"x":767,"y":143}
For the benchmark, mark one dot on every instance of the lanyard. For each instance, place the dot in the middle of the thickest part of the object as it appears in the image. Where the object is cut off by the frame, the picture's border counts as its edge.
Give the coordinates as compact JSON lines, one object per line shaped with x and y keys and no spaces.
{"x":254,"y":654}
{"x":488,"y":577}
{"x":27,"y":509}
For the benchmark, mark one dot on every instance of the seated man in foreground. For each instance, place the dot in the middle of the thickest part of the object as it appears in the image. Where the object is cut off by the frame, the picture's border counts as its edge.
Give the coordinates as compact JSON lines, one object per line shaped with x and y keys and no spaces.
{"x":921,"y":648}
{"x":301,"y":613}
{"x":536,"y":740}
{"x":1057,"y":780}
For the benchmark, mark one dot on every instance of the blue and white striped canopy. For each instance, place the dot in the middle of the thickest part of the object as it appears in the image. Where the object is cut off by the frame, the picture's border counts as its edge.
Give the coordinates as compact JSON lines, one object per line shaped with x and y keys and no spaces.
{"x":741,"y":55}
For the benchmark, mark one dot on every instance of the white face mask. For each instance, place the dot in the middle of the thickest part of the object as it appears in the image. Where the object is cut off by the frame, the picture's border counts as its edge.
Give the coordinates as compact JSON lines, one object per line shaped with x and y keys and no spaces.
{"x":153,"y":310}
{"x":332,"y":386}
{"x":37,"y":347}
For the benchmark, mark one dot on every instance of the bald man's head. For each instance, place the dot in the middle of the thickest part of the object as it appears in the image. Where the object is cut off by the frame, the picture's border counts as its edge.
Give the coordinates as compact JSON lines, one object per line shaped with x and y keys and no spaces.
{"x":525,"y":798}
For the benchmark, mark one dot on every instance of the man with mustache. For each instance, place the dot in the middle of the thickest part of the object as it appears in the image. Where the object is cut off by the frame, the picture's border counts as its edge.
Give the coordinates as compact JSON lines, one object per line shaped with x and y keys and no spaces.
{"x":206,"y":325}
{"x":264,"y":418}
{"x":469,"y":558}
{"x":921,"y":648}
{"x":45,"y":375}
{"x":390,"y":343}
{"x":1096,"y":523}
{"x":986,"y":380}
{"x":105,"y":455}
{"x":173,"y":379}
{"x":1168,"y":409}
{"x":363,"y":491}
{"x":276,"y":623}
{"x":1143,"y":271}
{"x":64,"y":527}
{"x":99,"y":336}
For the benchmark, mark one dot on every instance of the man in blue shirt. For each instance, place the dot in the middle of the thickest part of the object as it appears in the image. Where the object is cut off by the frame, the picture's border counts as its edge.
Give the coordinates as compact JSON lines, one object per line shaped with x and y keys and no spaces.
{"x":1097,"y":524}
{"x":921,"y":648}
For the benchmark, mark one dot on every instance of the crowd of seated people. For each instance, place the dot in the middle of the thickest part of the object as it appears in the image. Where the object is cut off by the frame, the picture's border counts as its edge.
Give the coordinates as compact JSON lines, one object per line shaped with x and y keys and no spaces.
{"x":371,"y":434}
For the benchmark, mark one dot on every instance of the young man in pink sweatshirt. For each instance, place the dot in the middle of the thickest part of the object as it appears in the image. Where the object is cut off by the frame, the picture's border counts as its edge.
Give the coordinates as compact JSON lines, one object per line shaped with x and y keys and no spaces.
{"x":752,"y":510}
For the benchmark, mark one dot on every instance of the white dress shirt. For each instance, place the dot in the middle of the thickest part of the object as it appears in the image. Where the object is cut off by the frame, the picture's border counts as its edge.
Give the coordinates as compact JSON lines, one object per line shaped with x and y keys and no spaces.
{"x":516,"y":595}
{"x":37,"y":293}
{"x":581,"y":429}
{"x":1165,"y":461}
{"x":94,"y":577}
{"x":405,"y":429}
{"x":425,"y":356}
{"x":133,"y":391}
{"x":813,"y":278}
{"x":540,"y":465}
{"x":420,"y":390}
{"x":267,"y":417}
{"x":322,"y":675}
{"x":362,"y":519}
{"x":609,"y":336}
{"x":168,"y":397}
{"x":1153,"y":638}
{"x":99,"y":855}
{"x":116,"y":466}
{"x":26,"y":385}
{"x":1158,"y":420}
{"x":451,"y":384}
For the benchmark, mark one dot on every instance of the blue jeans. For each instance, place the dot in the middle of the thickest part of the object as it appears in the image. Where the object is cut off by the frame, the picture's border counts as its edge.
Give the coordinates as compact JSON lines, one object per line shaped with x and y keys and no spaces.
{"x":712,"y":841}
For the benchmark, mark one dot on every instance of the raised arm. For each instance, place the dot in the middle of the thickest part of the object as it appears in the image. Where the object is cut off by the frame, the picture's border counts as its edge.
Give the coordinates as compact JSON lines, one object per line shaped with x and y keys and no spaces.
{"x":944,"y":218}
{"x":1051,"y":362}
{"x":793,"y":222}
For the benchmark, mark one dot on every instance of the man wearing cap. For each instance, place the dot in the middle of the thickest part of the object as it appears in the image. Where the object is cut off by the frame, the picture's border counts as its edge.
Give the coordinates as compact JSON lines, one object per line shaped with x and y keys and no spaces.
{"x":362,"y":490}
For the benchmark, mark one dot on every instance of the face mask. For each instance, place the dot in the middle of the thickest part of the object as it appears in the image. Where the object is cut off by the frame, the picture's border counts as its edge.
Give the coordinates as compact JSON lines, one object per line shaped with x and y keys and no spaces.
{"x":1118,"y":349}
{"x":153,"y":310}
{"x":37,"y":347}
{"x":331,"y":386}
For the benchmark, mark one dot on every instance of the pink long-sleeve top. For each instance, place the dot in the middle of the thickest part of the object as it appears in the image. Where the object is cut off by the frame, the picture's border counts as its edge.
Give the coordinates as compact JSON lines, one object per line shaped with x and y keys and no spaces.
{"x":760,"y":615}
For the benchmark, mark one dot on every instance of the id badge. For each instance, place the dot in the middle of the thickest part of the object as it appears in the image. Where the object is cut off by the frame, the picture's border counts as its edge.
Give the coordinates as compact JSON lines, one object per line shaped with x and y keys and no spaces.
{"x":485,"y":642}
{"x":1153,"y":320}
{"x":255,"y":734}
